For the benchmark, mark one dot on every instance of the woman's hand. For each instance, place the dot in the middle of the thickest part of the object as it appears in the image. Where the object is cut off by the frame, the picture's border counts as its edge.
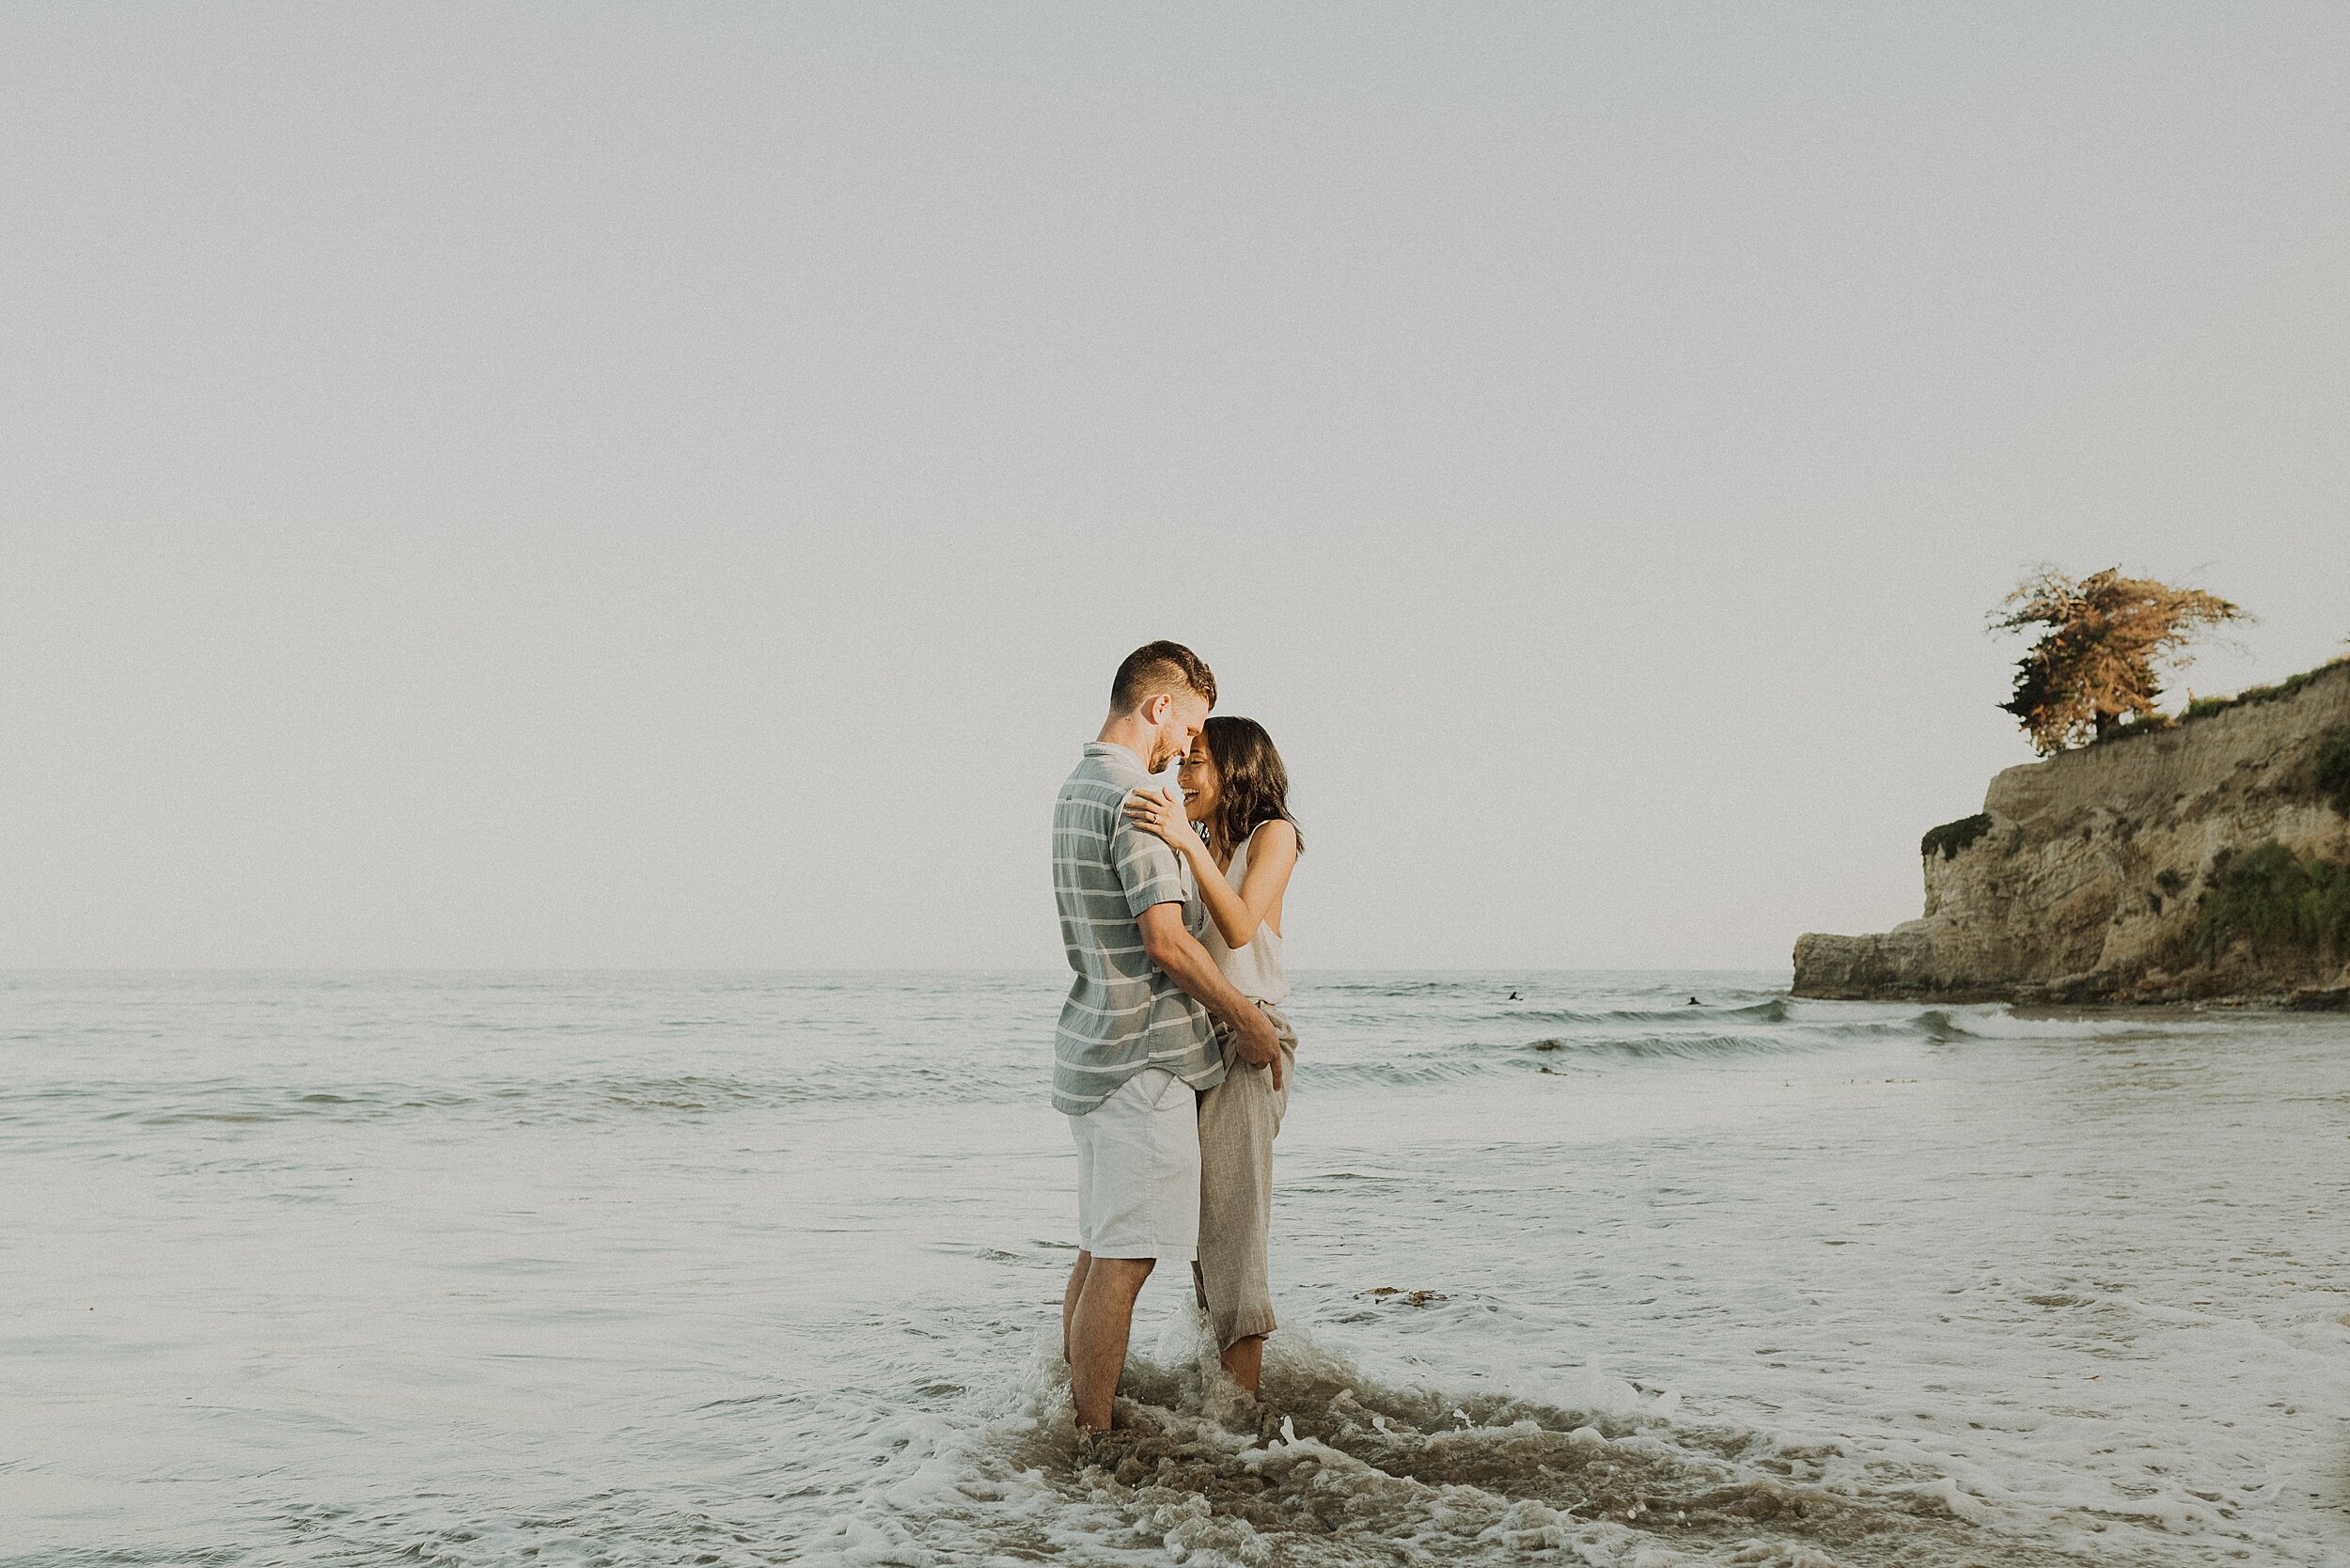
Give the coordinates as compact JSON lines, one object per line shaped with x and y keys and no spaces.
{"x":1161,"y":812}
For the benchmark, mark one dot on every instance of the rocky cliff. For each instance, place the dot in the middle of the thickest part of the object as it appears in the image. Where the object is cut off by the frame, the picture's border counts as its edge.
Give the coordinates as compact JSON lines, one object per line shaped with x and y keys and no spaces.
{"x":2207,"y":858}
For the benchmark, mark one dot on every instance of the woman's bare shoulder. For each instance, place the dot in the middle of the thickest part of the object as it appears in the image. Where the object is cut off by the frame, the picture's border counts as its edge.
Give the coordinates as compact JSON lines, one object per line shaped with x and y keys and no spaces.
{"x":1273,"y":833}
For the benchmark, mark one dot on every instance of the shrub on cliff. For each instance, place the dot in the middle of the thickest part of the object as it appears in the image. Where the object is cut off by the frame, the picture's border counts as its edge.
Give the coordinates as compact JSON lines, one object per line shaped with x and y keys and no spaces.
{"x":2200,"y":708}
{"x":1953,"y":837}
{"x":2292,"y":911}
{"x":2094,"y":665}
{"x":2329,"y":768}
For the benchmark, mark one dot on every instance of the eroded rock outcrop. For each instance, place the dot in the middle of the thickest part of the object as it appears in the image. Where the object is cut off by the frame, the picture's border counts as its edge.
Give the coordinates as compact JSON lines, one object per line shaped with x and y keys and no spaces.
{"x":2084,"y":876}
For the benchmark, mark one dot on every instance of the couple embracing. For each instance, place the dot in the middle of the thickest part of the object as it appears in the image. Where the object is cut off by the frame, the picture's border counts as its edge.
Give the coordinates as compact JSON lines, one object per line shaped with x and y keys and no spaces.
{"x":1172,"y":1060}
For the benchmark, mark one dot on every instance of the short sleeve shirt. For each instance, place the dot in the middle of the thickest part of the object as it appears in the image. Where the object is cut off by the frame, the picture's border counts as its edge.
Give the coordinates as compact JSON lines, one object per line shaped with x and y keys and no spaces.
{"x":1123,"y":1013}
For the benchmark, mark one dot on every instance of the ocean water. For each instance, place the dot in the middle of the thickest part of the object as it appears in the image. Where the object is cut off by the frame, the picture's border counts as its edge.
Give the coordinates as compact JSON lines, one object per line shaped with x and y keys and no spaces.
{"x":735,"y":1269}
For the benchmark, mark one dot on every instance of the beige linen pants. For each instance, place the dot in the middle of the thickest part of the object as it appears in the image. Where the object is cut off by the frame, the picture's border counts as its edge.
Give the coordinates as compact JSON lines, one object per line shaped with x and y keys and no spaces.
{"x":1239,"y":1119}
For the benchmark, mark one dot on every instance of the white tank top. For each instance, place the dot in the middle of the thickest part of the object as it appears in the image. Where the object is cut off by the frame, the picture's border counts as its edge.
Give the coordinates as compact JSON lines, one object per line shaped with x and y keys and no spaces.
{"x":1254,"y":971}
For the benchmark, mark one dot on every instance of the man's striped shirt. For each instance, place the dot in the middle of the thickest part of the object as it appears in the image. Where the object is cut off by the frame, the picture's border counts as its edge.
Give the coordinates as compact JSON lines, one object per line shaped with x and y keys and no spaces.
{"x":1123,"y":1012}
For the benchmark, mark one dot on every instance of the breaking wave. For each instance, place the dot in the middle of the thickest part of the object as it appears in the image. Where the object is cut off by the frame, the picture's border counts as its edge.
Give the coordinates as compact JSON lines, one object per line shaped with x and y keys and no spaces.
{"x":1340,"y":1467}
{"x":1777,"y":1010}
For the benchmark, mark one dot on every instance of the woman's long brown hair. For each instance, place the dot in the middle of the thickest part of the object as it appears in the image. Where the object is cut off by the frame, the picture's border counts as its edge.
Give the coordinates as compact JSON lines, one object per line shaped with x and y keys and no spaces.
{"x":1255,"y":785}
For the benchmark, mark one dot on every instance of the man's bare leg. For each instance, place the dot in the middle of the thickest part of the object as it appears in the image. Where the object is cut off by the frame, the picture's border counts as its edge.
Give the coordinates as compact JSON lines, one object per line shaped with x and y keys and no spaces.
{"x":1097,"y":1335}
{"x":1243,"y":1362}
{"x":1068,"y":1298}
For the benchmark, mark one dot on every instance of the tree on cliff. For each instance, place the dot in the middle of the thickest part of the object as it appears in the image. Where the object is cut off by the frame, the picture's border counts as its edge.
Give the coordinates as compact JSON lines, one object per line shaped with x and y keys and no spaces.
{"x":2095,"y":663}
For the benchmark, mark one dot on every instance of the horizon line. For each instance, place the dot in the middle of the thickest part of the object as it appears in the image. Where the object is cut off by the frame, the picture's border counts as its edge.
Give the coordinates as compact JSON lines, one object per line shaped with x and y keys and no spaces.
{"x":824,"y":969}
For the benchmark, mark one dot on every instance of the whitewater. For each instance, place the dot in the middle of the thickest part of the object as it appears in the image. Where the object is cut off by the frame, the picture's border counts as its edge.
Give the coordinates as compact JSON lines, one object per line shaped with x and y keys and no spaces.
{"x":473,"y":1269}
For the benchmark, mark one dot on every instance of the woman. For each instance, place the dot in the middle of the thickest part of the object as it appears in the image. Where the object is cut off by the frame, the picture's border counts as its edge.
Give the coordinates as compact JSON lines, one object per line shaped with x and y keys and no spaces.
{"x":1242,"y":851}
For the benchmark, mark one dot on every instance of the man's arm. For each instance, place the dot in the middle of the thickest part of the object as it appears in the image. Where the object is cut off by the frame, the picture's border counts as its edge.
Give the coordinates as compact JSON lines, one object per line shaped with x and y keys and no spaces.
{"x":1188,"y":964}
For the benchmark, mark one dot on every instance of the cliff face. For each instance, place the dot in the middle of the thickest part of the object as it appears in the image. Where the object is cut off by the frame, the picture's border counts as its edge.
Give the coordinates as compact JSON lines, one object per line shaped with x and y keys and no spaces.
{"x":2086,"y":873}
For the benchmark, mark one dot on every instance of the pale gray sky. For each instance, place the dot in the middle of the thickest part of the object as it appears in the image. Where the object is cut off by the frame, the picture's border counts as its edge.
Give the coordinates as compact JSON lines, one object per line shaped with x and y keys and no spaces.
{"x":668,"y":485}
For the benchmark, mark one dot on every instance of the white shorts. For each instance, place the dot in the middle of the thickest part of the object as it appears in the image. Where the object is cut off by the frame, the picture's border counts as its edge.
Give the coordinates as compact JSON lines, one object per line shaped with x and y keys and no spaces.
{"x":1139,"y":1170}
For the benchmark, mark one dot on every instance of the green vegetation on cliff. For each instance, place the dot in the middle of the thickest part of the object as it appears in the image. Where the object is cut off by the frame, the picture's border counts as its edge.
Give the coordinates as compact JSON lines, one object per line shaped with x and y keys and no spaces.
{"x":2204,"y":707}
{"x":2291,"y":911}
{"x":1953,"y":837}
{"x":2329,"y":768}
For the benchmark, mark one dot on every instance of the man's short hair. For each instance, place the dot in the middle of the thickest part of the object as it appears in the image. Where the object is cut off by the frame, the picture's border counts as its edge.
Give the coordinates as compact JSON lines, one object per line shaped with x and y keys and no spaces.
{"x":1160,"y":667}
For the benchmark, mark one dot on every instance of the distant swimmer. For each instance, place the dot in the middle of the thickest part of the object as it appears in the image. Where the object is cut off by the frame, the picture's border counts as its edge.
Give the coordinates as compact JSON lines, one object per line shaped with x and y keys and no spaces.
{"x":1514,"y":996}
{"x":1693,"y":1002}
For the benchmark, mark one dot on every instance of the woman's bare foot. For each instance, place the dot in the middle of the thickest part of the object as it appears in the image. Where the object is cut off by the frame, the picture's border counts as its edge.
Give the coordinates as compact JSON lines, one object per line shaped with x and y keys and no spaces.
{"x":1243,"y":1362}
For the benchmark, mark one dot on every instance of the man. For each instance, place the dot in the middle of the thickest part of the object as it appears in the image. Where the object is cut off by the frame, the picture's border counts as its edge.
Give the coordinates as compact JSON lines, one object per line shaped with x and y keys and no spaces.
{"x":1135,"y":1043}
